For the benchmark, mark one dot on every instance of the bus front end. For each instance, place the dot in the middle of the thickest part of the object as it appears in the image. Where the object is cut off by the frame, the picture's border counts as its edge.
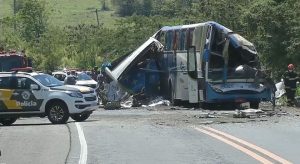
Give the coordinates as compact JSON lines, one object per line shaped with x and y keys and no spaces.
{"x":233,"y":73}
{"x":238,"y":92}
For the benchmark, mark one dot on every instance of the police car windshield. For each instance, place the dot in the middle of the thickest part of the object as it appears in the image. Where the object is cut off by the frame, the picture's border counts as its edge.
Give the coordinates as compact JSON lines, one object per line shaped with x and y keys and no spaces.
{"x":48,"y":80}
{"x":83,"y":76}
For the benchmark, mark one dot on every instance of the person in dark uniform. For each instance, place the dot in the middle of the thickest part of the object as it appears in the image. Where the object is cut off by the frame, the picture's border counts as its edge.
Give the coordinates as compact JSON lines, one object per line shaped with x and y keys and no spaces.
{"x":290,"y":79}
{"x":94,"y":73}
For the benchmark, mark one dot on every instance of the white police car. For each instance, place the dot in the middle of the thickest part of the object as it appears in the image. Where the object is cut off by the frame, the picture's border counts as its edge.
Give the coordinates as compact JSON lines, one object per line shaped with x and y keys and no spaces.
{"x":37,"y":94}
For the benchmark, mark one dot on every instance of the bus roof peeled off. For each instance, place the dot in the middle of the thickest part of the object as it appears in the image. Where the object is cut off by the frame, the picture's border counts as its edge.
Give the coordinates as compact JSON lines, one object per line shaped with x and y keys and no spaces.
{"x":133,"y":58}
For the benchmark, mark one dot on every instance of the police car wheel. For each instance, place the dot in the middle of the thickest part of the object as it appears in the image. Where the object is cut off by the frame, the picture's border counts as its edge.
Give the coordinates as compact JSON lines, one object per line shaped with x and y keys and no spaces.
{"x":80,"y":117}
{"x":58,"y":113}
{"x":8,"y":121}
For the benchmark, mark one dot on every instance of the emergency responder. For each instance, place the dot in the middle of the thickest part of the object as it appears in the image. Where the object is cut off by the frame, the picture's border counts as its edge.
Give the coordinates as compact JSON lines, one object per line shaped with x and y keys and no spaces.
{"x":290,"y":79}
{"x":94,"y":73}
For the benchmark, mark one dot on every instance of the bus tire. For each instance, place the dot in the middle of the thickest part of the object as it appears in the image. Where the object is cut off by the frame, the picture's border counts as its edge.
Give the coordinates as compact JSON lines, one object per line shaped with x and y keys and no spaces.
{"x":8,"y":121}
{"x":254,"y":105}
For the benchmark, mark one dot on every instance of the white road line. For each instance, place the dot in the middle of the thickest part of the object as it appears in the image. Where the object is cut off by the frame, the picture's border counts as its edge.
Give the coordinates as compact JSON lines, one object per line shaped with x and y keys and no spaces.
{"x":83,"y":145}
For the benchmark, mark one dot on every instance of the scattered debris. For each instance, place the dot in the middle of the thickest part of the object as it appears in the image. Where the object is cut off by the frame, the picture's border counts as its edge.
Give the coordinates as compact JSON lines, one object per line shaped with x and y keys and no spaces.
{"x":162,"y":102}
{"x":158,"y":101}
{"x":111,"y":105}
{"x":126,"y":105}
{"x":248,"y":113}
{"x":208,"y":115}
{"x":281,"y":114}
{"x":206,"y":122}
{"x":280,"y":91}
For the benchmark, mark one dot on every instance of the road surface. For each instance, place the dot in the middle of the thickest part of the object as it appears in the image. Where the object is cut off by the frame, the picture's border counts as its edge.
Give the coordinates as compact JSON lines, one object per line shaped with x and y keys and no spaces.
{"x":152,"y":136}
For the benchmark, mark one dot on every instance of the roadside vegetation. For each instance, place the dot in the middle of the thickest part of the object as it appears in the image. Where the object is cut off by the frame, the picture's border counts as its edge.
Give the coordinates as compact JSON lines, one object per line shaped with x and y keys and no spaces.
{"x":65,"y":33}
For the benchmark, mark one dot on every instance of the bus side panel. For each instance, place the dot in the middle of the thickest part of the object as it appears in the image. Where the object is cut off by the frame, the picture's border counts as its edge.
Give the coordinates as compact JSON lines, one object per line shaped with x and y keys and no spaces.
{"x":196,"y":91}
{"x":181,"y":88}
{"x":193,"y":90}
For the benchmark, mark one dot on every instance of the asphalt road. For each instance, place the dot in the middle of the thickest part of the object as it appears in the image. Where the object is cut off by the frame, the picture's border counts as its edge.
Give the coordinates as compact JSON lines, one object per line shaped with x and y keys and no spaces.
{"x":34,"y":141}
{"x":151,"y":136}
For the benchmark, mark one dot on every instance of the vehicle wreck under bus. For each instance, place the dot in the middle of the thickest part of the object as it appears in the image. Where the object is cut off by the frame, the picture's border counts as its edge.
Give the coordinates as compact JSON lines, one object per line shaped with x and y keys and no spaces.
{"x":197,"y":63}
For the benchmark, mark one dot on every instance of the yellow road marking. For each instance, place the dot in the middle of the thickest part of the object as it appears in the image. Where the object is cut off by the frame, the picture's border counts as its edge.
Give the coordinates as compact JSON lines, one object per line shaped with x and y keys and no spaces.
{"x":257,"y":148}
{"x":244,"y":150}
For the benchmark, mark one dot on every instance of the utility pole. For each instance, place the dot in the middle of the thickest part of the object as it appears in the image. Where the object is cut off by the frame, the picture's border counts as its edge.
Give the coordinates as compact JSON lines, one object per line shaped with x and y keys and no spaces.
{"x":97,"y":17}
{"x":15,"y":12}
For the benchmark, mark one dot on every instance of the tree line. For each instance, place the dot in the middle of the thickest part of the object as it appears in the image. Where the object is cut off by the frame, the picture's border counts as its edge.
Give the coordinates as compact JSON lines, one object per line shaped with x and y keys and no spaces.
{"x":272,"y":25}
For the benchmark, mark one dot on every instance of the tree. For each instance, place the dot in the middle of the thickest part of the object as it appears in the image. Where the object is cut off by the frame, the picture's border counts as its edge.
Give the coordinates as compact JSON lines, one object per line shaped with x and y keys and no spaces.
{"x":104,"y":6}
{"x":275,"y":30}
{"x":32,"y":20}
{"x":50,"y":49}
{"x":147,"y":7}
{"x":125,"y":7}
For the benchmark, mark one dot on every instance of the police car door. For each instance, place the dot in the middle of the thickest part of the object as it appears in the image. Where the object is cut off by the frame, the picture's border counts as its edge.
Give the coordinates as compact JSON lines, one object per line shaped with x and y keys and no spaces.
{"x":23,"y":95}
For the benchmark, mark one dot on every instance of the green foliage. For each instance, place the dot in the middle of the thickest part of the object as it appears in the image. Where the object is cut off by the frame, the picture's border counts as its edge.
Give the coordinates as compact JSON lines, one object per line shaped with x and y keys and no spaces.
{"x":282,"y":101}
{"x":274,"y":28}
{"x":298,"y":91}
{"x":32,"y":20}
{"x":9,"y":38}
{"x":69,"y":12}
{"x":104,"y":6}
{"x":48,"y":52}
{"x":272,"y":25}
{"x":131,"y":7}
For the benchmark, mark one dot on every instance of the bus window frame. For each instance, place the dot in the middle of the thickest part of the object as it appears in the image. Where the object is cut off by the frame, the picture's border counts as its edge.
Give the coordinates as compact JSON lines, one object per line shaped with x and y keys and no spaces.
{"x":192,"y":73}
{"x":182,"y":40}
{"x":162,"y":38}
{"x":169,"y":40}
{"x":176,"y":40}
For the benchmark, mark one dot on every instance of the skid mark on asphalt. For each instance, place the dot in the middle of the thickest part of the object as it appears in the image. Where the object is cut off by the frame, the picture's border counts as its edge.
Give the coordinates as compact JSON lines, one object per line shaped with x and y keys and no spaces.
{"x":83,"y":145}
{"x":239,"y":144}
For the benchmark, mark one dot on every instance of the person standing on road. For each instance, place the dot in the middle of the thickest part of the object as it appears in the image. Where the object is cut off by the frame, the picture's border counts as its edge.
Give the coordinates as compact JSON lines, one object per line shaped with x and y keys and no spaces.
{"x":94,"y":73}
{"x":290,"y":79}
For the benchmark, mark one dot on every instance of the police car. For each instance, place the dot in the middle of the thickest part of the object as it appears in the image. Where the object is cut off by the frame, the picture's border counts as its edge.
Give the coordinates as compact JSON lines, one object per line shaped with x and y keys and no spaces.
{"x":38,"y":94}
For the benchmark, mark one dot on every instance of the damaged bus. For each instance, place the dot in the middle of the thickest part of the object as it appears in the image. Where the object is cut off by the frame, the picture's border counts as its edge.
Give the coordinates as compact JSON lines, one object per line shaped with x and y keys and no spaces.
{"x":197,"y":63}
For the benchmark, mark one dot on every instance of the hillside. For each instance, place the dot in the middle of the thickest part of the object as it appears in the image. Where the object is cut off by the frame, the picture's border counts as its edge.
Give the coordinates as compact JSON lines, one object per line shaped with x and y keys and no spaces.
{"x":70,"y":12}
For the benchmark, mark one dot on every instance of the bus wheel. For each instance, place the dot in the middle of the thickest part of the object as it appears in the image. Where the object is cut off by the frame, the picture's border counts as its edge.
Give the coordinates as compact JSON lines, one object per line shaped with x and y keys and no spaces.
{"x":254,"y":105}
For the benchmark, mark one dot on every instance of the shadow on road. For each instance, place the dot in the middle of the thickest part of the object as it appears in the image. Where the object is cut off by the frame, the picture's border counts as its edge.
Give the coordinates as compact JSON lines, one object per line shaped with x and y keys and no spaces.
{"x":47,"y":124}
{"x":30,"y":124}
{"x":90,"y":120}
